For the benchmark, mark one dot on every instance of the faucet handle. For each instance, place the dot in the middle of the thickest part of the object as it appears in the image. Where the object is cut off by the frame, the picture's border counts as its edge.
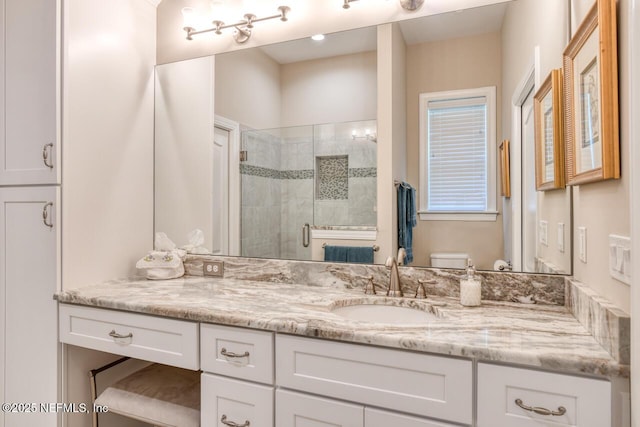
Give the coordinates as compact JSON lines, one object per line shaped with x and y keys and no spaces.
{"x":421,"y":292}
{"x":369,"y":288}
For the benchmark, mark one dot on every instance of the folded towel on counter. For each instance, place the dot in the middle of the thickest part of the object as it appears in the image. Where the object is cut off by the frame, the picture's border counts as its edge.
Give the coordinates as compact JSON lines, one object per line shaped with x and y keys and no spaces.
{"x":407,"y":218}
{"x":353,"y":254}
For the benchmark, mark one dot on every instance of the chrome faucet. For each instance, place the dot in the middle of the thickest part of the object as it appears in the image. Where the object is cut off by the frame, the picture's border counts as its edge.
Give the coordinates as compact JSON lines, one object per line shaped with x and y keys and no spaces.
{"x":395,"y":290}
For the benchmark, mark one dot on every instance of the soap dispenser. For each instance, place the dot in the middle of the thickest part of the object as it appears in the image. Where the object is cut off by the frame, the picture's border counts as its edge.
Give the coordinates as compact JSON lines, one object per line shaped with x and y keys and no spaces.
{"x":470,"y":294}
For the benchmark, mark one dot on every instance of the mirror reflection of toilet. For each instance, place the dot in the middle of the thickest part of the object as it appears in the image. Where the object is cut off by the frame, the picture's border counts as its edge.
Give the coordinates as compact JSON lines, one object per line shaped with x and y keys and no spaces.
{"x":449,"y":260}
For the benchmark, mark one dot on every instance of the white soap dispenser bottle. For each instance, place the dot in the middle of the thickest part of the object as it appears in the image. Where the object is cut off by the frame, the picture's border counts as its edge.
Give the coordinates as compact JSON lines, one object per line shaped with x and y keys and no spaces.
{"x":470,"y":288}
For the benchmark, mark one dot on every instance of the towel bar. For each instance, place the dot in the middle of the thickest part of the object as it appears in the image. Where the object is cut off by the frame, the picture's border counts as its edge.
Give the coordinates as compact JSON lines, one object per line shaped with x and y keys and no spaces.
{"x":376,"y":248}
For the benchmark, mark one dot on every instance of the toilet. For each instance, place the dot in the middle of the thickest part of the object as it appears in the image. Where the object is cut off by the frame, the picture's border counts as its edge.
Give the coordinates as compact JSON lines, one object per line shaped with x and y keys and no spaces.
{"x":449,"y":260}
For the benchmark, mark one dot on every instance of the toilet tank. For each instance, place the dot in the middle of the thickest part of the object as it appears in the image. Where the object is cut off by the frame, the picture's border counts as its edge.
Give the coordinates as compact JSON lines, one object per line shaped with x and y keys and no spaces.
{"x":449,"y":260}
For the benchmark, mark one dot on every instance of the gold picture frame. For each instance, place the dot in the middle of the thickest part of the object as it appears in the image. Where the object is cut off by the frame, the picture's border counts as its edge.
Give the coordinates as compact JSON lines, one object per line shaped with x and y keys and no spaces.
{"x":505,"y":183}
{"x":590,"y":65}
{"x":549,"y":147}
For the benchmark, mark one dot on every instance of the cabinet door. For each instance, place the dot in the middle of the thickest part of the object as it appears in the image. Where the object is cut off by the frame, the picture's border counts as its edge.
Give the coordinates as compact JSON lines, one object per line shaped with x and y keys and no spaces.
{"x":301,"y":410}
{"x":228,"y":402}
{"x":378,"y":418}
{"x":29,"y":114}
{"x":29,"y":349}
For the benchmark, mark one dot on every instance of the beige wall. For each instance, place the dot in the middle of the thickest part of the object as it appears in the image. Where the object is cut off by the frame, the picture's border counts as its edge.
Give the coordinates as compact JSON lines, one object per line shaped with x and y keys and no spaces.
{"x":329,"y":90}
{"x":462,"y":63}
{"x":248,"y":88}
{"x":107,"y":174}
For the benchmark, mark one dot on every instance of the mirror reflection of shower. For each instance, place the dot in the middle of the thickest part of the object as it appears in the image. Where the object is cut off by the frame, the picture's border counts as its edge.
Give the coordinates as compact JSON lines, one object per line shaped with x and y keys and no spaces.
{"x":321,"y":175}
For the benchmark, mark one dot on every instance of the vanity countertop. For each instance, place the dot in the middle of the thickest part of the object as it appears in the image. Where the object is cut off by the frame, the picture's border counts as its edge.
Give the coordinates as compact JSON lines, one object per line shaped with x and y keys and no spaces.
{"x":542,"y":336}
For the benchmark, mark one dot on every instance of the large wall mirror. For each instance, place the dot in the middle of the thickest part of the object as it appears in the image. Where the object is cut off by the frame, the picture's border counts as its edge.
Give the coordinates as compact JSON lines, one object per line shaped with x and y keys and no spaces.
{"x":285,"y":136}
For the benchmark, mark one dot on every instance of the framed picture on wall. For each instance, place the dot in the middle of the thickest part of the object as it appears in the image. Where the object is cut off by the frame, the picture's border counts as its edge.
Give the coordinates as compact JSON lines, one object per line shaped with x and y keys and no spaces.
{"x":549,"y":147}
{"x":591,"y":98}
{"x":505,"y":184}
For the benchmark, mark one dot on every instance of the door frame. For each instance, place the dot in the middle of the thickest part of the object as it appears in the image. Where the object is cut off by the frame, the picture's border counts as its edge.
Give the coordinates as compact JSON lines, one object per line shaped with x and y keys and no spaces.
{"x":234,"y":180}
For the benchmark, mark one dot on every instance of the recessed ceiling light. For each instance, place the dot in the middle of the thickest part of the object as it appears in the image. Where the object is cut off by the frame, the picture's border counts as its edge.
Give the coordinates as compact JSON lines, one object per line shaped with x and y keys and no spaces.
{"x":317,"y":37}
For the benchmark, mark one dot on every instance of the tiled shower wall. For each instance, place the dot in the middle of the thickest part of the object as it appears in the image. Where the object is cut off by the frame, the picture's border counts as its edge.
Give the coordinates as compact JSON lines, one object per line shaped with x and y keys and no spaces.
{"x":280,"y":188}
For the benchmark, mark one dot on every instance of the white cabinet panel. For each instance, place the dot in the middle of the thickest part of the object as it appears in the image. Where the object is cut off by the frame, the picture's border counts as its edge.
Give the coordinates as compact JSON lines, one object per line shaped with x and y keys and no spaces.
{"x":300,"y":410}
{"x":576,"y":401}
{"x":227,"y":402}
{"x":29,"y":349}
{"x":421,"y":384}
{"x":30,"y":91}
{"x":237,"y":352}
{"x":156,"y":339}
{"x":378,"y":418}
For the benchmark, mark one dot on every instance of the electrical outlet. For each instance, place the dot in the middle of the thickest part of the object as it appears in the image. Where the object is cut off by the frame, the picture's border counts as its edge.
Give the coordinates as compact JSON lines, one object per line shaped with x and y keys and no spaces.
{"x":582,"y":244}
{"x":213,"y":268}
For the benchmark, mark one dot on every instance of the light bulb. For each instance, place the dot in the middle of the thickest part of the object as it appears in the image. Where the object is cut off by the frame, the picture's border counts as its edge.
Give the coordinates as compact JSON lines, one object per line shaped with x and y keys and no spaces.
{"x":188,"y":17}
{"x":317,"y":37}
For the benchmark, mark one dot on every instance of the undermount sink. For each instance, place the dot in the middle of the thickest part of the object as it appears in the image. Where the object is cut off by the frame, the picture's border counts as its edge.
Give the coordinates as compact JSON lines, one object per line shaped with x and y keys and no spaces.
{"x":390,"y":311}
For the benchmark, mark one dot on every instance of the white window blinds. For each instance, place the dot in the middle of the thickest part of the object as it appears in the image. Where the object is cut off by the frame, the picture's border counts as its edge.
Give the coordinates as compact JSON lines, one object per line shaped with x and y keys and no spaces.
{"x":456,"y":153}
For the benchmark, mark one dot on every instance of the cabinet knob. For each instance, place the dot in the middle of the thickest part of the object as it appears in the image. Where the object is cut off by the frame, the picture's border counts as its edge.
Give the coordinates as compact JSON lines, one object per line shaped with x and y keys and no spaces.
{"x":224,"y":421}
{"x":45,"y":155}
{"x":542,"y":411}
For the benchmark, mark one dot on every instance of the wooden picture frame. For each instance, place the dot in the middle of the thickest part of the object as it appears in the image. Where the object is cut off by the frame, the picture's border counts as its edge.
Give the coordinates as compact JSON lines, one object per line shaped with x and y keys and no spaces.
{"x":549,"y":146}
{"x":590,"y":65}
{"x":505,"y":182}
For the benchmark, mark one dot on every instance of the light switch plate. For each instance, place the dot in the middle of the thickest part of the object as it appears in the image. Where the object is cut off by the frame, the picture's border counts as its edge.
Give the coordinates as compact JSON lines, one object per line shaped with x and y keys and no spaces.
{"x":544,"y":232}
{"x":561,"y":237}
{"x":582,"y":244}
{"x":620,"y":258}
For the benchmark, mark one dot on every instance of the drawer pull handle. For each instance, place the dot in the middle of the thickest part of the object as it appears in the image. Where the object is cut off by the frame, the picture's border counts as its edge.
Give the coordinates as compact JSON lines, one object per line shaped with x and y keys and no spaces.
{"x":45,"y":215}
{"x":114,"y":334}
{"x":232,"y":424}
{"x":542,"y":411}
{"x":226,"y":353}
{"x":45,"y":155}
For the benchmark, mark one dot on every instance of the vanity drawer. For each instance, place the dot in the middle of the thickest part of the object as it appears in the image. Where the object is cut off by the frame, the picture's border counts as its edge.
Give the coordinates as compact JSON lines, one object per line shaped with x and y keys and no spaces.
{"x":378,"y":418}
{"x":416,"y":383}
{"x":236,"y":401}
{"x":587,"y":402}
{"x":156,"y":339}
{"x":300,"y":410}
{"x":237,"y":352}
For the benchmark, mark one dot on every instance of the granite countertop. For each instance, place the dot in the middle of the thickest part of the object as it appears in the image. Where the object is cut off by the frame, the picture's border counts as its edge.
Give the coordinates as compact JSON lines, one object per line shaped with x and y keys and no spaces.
{"x":534,"y":335}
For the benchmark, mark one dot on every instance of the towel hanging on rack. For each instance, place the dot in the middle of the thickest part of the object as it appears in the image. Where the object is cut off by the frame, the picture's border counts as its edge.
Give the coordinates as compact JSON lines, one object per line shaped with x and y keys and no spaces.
{"x":407,"y":218}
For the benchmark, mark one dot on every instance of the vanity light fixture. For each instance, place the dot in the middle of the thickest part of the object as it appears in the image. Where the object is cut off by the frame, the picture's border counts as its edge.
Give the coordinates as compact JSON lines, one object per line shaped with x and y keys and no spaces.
{"x":367,"y":136}
{"x":243,"y":27}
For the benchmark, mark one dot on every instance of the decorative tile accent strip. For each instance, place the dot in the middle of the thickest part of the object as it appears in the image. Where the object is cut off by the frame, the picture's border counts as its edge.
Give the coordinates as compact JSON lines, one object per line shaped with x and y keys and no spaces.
{"x":333,"y":178}
{"x":496,"y":286}
{"x":363,"y":172}
{"x":608,"y":324}
{"x":297,"y":174}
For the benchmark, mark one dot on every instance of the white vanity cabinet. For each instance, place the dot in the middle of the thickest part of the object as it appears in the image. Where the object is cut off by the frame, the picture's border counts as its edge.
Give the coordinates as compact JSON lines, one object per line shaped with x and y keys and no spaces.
{"x":29,"y":349}
{"x":516,"y":397}
{"x":29,"y":114}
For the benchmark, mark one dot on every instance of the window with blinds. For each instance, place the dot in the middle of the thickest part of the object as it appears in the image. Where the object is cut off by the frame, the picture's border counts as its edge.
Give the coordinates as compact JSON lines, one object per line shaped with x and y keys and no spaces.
{"x":457,"y":152}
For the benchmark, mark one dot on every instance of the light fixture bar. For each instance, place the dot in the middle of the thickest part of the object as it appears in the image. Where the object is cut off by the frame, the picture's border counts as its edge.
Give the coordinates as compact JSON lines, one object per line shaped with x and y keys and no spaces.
{"x":243,"y":27}
{"x":346,"y":4}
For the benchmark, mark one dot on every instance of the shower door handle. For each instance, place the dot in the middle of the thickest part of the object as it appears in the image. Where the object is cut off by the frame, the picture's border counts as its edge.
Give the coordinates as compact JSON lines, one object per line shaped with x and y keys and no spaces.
{"x":305,"y":235}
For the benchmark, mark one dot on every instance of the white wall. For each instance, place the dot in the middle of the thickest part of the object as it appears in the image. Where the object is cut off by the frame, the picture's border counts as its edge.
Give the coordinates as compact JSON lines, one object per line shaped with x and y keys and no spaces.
{"x":107,"y":140}
{"x":248,"y":89}
{"x":184,"y":149}
{"x":329,"y":90}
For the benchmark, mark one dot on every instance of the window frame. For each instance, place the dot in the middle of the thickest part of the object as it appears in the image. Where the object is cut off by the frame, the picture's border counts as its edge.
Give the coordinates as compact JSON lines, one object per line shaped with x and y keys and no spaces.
{"x":490,"y":213}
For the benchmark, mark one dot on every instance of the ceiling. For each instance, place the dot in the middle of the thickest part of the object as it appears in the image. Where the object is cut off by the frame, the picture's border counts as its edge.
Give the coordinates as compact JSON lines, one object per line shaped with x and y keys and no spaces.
{"x":463,"y":23}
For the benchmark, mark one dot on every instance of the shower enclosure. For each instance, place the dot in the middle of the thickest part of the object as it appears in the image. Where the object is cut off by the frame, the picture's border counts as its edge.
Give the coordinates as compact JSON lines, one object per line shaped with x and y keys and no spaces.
{"x":297,"y":178}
